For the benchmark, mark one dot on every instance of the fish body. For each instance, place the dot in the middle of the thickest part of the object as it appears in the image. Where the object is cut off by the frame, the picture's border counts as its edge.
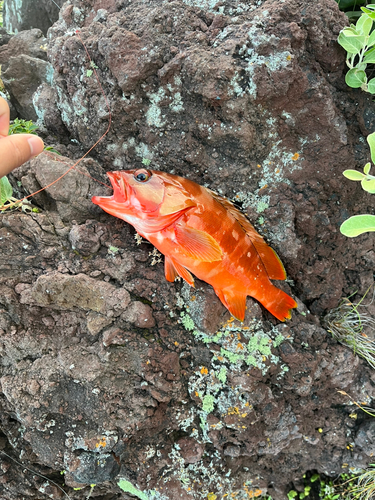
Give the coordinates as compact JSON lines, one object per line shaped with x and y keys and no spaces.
{"x":200,"y":233}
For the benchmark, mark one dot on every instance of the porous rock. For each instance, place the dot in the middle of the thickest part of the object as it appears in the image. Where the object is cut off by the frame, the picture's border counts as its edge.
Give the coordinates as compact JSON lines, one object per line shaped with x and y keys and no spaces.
{"x":251,"y":101}
{"x":22,"y":15}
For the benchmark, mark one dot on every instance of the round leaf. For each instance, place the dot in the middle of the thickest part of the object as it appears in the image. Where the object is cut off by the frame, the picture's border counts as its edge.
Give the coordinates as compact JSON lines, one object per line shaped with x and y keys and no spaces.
{"x":371,"y":142}
{"x":358,"y":224}
{"x":368,"y":185}
{"x":355,"y":78}
{"x":364,"y":25}
{"x":366,"y":168}
{"x":353,"y":175}
{"x":352,"y":44}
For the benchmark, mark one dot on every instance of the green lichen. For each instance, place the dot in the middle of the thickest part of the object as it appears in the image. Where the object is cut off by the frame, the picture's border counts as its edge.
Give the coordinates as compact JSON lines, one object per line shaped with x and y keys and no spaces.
{"x":278,"y":340}
{"x":129,"y":488}
{"x":143,"y":495}
{"x":261,"y":344}
{"x":222,"y":375}
{"x":261,"y":207}
{"x":153,"y":114}
{"x":187,"y":322}
{"x":208,"y":403}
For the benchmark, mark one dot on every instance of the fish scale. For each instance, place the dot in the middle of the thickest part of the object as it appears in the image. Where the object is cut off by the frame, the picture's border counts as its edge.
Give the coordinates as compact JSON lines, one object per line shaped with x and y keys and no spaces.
{"x":200,"y":233}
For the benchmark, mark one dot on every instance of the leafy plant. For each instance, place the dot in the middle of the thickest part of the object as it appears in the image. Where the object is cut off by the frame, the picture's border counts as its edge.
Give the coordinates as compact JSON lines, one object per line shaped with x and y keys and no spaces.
{"x":7,"y":200}
{"x":358,"y":224}
{"x":20,"y":126}
{"x":359,"y":40}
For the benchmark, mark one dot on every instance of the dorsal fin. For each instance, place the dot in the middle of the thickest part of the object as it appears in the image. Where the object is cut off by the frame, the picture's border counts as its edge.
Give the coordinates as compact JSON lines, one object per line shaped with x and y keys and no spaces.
{"x":268,"y":256}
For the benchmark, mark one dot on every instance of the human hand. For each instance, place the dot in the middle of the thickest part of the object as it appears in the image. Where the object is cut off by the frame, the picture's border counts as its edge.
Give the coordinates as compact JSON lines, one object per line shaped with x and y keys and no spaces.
{"x":15,"y":149}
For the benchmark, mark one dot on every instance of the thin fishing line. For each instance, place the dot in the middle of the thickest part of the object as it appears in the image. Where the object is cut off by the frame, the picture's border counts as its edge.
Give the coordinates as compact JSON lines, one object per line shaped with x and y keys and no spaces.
{"x":36,"y":473}
{"x":53,"y":1}
{"x":56,"y":158}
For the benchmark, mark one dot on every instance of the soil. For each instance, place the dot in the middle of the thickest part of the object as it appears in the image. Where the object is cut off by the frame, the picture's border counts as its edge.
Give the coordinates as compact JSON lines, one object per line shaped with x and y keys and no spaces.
{"x":110,"y":373}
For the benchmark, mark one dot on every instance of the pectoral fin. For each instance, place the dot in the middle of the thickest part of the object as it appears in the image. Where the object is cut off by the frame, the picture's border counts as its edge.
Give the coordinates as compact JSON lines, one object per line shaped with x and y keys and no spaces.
{"x":197,"y":244}
{"x":173,"y":269}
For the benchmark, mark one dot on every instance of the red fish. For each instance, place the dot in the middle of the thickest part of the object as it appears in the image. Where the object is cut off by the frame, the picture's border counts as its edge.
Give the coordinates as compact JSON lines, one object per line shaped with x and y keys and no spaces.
{"x":200,"y":233}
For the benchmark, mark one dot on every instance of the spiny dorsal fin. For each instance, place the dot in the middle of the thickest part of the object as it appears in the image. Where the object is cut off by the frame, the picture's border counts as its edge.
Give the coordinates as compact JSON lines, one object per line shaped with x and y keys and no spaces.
{"x":268,"y":256}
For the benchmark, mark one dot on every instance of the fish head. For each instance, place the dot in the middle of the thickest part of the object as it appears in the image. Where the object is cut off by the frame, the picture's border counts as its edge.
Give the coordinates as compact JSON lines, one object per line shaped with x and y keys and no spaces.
{"x":144,"y":194}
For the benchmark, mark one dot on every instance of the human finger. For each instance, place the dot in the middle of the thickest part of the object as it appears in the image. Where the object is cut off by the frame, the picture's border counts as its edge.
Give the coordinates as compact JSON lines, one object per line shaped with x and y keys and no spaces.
{"x":4,"y":117}
{"x":16,"y":149}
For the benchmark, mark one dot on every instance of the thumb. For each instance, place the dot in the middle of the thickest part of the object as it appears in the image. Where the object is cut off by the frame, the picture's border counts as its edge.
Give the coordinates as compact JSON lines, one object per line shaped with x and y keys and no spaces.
{"x":16,"y":149}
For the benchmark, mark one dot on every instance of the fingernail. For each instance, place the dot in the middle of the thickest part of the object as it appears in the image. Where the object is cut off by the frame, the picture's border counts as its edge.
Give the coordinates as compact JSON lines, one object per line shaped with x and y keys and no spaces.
{"x":36,"y":145}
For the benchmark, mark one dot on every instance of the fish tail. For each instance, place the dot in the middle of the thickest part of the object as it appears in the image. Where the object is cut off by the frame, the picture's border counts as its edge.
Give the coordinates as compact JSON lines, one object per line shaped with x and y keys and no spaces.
{"x":278,"y":303}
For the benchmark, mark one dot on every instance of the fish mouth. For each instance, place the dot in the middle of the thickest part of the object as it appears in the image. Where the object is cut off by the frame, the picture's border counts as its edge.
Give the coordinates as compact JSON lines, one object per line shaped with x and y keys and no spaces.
{"x":120,"y":192}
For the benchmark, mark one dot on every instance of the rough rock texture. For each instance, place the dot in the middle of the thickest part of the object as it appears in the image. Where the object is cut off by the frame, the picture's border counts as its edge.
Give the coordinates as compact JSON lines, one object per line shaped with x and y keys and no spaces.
{"x":24,"y":68}
{"x":20,"y":15}
{"x":108,"y":372}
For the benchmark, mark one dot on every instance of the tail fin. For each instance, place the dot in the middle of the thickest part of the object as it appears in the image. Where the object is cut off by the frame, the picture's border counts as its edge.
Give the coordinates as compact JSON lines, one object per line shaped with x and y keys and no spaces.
{"x":278,"y":303}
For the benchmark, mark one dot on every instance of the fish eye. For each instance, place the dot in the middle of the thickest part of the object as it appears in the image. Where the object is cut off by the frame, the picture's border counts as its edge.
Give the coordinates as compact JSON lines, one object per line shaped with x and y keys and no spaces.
{"x":142,"y":175}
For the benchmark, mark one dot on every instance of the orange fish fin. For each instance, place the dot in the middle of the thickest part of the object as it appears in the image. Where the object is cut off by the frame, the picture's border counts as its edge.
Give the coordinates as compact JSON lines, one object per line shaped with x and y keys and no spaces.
{"x":279,"y":304}
{"x":198,"y":244}
{"x":170,"y":270}
{"x":173,"y":269}
{"x":271,"y":261}
{"x":268,"y":256}
{"x":234,"y":302}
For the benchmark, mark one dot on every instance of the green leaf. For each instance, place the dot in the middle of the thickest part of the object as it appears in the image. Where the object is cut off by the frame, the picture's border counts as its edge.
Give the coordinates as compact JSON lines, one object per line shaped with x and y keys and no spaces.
{"x":355,"y":78}
{"x":6,"y":190}
{"x":371,"y":39}
{"x":358,"y":224}
{"x":368,"y":185}
{"x":364,"y":25}
{"x":314,"y":478}
{"x":366,"y":168}
{"x":89,"y":73}
{"x":371,"y":142}
{"x":371,"y":86}
{"x":366,"y":10}
{"x":352,"y":44}
{"x":353,"y":175}
{"x":370,"y":55}
{"x":351,"y":31}
{"x":362,"y":66}
{"x":292,"y":494}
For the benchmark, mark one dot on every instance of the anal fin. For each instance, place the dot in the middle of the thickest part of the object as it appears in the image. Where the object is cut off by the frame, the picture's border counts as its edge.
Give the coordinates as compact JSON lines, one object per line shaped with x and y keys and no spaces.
{"x":173,"y":269}
{"x":234,"y":302}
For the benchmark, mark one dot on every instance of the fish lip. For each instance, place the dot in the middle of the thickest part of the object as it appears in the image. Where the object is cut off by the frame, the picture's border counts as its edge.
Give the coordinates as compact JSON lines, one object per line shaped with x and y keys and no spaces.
{"x":119,"y":186}
{"x":120,"y":193}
